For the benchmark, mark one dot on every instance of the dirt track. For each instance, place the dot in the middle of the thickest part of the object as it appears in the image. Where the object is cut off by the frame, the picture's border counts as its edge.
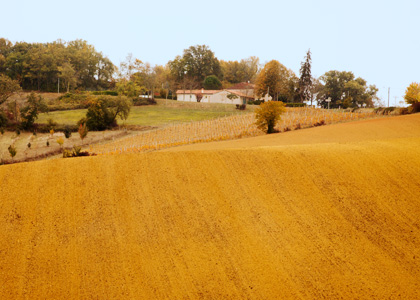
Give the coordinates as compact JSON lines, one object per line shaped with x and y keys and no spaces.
{"x":330,"y":220}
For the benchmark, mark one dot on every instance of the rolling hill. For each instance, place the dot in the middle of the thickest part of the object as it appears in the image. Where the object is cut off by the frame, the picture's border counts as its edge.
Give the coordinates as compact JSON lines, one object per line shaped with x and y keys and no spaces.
{"x":329,"y":212}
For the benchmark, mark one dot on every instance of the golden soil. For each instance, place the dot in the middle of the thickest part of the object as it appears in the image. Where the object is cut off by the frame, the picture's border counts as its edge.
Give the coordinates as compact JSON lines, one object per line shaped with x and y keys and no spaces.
{"x":334,"y":217}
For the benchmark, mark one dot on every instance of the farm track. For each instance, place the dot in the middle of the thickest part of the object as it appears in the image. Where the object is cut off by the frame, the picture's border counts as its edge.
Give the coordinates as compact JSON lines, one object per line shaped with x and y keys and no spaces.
{"x":267,"y":220}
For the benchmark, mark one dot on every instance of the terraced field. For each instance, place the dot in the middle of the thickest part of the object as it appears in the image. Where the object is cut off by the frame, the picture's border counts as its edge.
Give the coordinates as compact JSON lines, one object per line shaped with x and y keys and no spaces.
{"x":329,"y":212}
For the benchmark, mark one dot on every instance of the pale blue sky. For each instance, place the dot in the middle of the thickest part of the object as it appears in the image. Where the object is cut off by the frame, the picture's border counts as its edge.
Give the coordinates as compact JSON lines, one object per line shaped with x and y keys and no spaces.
{"x":376,"y":40}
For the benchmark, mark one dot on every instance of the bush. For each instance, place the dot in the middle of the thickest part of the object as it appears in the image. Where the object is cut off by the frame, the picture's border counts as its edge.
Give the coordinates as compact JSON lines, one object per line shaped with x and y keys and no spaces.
{"x":76,"y":152}
{"x":295,"y":104}
{"x":106,"y":93}
{"x":268,"y":114}
{"x":143,"y":101}
{"x":255,"y":102}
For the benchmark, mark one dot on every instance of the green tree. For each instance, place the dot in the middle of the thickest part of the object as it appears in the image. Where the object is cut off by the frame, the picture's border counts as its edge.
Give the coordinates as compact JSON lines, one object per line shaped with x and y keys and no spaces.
{"x":8,"y":87}
{"x":268,"y":114}
{"x":305,"y":81}
{"x":212,"y":83}
{"x":68,"y":74}
{"x":103,"y":112}
{"x":29,"y":113}
{"x":196,"y":63}
{"x":345,"y":90}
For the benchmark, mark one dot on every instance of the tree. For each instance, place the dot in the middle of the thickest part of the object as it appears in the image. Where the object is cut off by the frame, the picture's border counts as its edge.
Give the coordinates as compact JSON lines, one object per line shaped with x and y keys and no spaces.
{"x":412,"y":93}
{"x":197,"y":62}
{"x":274,"y":79}
{"x":68,"y":74}
{"x":268,"y":114}
{"x":12,"y":151}
{"x":103,"y":112}
{"x":8,"y":87}
{"x":83,"y":131}
{"x":345,"y":90}
{"x":305,"y":81}
{"x":245,"y":70}
{"x":212,"y":83}
{"x":29,"y":113}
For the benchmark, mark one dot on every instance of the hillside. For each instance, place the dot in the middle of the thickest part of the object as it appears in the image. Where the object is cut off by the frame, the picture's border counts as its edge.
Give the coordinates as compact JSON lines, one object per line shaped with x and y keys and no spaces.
{"x":317,"y":213}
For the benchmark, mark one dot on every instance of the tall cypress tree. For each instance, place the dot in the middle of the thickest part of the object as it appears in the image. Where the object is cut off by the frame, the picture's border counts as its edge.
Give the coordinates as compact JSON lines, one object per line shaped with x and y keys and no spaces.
{"x":305,"y":80}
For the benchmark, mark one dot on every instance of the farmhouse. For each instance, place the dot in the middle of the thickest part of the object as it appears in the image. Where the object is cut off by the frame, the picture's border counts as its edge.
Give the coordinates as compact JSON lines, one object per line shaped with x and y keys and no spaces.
{"x":237,"y":94}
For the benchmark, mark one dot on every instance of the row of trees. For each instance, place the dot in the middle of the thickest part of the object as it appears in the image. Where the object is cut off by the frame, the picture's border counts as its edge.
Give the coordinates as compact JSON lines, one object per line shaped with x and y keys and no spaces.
{"x":78,"y":65}
{"x":39,"y":66}
{"x":341,"y":89}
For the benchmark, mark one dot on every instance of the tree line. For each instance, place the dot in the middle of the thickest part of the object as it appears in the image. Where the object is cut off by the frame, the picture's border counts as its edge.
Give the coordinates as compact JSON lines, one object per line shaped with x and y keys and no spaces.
{"x":77,"y":65}
{"x":40,"y":66}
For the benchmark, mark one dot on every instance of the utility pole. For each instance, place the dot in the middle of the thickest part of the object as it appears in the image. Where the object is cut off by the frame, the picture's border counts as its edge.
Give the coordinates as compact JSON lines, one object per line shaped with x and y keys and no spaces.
{"x":388,"y":95}
{"x":395,"y":97}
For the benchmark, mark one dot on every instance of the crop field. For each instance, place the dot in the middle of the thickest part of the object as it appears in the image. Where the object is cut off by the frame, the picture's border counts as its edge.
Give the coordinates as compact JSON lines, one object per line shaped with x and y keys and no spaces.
{"x":225,"y":128}
{"x":38,"y":143}
{"x":300,"y":215}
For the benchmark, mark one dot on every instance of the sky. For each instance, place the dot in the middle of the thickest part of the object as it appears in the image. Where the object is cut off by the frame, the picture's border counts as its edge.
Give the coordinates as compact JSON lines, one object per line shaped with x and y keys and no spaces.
{"x":376,"y":40}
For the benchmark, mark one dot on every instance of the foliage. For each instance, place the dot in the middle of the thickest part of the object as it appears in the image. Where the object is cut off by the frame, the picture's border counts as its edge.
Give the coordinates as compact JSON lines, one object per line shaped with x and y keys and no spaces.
{"x":68,"y":74}
{"x":276,"y":80}
{"x":67,"y":132}
{"x":103,"y":111}
{"x":231,"y":96}
{"x":8,"y":87}
{"x":129,"y":88}
{"x":83,"y":131}
{"x":29,"y":113}
{"x":75,"y":152}
{"x":196,"y":63}
{"x":212,"y":83}
{"x":345,"y":90}
{"x":164,"y":93}
{"x":305,"y":81}
{"x":245,"y":70}
{"x":3,"y":119}
{"x":412,"y":93}
{"x":12,"y":151}
{"x":60,"y":141}
{"x":38,"y":65}
{"x":106,"y":93}
{"x":268,"y":114}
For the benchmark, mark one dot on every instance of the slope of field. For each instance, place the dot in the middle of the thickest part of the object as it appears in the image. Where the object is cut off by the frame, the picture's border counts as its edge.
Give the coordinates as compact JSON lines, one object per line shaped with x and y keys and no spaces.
{"x":309,"y":221}
{"x":406,"y":126}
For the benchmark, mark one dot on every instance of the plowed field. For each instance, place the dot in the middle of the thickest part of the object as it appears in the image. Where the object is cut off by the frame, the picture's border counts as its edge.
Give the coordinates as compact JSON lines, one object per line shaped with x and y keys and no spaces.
{"x":321,"y":217}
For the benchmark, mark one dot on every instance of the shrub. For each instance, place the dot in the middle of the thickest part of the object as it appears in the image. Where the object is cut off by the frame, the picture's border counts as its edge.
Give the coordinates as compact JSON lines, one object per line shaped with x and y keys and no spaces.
{"x":106,"y":93}
{"x":75,"y":152}
{"x":268,"y":114}
{"x":67,"y":132}
{"x":295,"y":104}
{"x":83,"y":131}
{"x":143,"y":101}
{"x":12,"y":151}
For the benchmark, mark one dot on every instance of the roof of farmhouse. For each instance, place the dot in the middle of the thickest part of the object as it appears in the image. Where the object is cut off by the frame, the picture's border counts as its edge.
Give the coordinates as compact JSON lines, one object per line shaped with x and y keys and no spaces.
{"x":202,"y":91}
